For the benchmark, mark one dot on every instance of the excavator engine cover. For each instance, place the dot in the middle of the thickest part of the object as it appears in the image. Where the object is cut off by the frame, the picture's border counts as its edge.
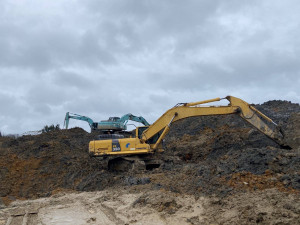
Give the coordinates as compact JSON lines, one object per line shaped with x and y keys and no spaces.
{"x":125,"y":146}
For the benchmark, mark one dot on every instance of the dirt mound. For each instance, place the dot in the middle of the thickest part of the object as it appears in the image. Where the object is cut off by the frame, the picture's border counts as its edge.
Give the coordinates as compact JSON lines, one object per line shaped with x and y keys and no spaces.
{"x":217,"y":155}
{"x":35,"y":166}
{"x":226,"y":159}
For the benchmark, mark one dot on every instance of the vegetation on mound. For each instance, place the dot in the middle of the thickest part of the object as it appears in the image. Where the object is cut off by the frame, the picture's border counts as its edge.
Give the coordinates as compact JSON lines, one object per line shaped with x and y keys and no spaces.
{"x":50,"y":128}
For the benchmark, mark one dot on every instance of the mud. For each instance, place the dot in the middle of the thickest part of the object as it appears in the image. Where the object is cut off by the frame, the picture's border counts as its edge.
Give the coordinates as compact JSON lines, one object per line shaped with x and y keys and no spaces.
{"x":212,"y":157}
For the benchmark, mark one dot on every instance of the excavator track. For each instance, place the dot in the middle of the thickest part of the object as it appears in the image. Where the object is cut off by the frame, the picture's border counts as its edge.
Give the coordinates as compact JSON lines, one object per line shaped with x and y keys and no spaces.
{"x":133,"y":163}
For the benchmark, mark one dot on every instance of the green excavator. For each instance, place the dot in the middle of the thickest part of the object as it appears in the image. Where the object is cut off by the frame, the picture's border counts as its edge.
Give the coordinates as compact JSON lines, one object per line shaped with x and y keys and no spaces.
{"x":111,"y":126}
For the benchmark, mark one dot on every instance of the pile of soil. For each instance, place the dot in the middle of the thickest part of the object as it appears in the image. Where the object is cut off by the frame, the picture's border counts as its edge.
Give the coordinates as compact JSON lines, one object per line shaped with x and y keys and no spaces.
{"x":205,"y":156}
{"x":37,"y":166}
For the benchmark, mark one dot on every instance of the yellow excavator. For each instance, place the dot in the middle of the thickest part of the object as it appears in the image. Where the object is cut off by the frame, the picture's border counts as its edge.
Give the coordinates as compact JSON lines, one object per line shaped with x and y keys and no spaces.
{"x":148,"y":139}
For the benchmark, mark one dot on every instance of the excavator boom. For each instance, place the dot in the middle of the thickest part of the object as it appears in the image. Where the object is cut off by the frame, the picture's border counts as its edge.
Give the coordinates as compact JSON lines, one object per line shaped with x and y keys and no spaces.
{"x":236,"y":106}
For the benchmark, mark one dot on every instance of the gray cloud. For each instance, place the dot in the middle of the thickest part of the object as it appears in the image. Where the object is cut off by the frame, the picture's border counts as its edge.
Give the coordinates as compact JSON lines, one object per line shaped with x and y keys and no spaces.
{"x":107,"y":58}
{"x":70,"y":79}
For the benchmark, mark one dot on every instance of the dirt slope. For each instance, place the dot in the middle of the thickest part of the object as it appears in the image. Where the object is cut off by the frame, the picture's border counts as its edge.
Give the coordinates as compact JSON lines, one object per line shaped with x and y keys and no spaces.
{"x":207,"y":157}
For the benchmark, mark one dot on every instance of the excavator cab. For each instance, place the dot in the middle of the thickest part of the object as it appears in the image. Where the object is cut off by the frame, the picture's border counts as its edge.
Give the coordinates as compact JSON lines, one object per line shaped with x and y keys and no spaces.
{"x":113,"y":119}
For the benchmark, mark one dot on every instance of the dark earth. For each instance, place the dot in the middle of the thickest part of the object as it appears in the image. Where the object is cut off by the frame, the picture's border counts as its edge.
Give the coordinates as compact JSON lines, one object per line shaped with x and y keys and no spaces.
{"x":210,"y":155}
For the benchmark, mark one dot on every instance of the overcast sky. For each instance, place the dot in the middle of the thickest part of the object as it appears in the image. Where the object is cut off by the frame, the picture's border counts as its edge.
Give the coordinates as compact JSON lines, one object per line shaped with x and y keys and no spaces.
{"x":104,"y":58}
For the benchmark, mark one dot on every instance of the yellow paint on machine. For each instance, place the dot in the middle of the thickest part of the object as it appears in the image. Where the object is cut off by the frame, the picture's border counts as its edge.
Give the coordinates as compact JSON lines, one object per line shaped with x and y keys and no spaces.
{"x":126,"y":147}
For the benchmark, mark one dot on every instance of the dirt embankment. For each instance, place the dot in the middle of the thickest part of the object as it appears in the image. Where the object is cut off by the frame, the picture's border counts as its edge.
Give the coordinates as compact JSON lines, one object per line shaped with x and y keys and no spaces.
{"x":209,"y":157}
{"x":36,"y":166}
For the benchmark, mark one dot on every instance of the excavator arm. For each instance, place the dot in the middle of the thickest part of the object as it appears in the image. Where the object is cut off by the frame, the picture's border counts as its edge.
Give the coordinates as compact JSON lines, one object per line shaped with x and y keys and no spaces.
{"x":77,"y":117}
{"x":124,"y":119}
{"x":235,"y":106}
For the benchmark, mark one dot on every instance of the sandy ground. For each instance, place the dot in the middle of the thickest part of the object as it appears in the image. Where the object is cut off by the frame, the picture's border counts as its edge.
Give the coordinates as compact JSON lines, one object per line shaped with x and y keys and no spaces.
{"x":154,"y":207}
